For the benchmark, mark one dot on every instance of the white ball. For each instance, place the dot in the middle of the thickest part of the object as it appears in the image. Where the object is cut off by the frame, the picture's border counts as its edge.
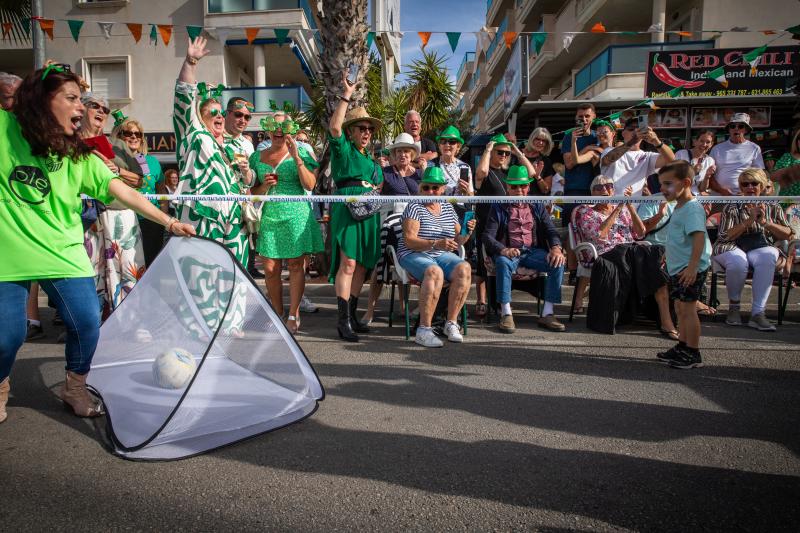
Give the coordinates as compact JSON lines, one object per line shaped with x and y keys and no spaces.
{"x":173,"y":369}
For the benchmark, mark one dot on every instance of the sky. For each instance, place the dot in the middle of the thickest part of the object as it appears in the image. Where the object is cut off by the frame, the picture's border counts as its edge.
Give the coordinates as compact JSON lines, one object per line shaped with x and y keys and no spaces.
{"x":439,"y":15}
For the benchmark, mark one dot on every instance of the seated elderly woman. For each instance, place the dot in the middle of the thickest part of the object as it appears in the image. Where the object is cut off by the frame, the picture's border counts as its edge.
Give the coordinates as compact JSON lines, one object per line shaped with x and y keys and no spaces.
{"x":431,"y":236}
{"x":623,"y":273}
{"x":747,"y":236}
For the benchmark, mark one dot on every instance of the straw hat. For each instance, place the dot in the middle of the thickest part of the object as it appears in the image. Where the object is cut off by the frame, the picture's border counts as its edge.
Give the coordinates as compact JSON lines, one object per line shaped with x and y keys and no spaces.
{"x":404,"y":140}
{"x":517,"y":175}
{"x":359,"y":114}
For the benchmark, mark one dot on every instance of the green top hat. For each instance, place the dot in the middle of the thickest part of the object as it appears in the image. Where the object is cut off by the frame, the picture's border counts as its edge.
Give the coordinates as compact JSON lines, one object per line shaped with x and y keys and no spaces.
{"x":517,"y":175}
{"x":450,"y":132}
{"x":434,"y":176}
{"x":500,"y":139}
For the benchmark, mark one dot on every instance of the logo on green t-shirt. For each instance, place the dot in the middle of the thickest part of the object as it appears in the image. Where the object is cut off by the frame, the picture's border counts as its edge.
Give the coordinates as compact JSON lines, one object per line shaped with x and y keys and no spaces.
{"x":29,"y":184}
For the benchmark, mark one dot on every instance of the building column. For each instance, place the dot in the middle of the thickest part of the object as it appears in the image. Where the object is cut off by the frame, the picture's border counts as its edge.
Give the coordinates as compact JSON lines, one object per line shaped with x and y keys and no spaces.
{"x":261,"y":98}
{"x":659,"y":17}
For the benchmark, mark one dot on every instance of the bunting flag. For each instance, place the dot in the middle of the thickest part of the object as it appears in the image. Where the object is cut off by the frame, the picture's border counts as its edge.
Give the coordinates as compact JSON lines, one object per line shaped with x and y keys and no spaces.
{"x":567,"y":40}
{"x":598,"y":28}
{"x":651,"y":103}
{"x":281,"y":34}
{"x":222,"y":35}
{"x":753,"y":57}
{"x":676,"y":92}
{"x":655,"y":28}
{"x":768,"y":32}
{"x":26,"y":25}
{"x":370,"y":38}
{"x":718,"y":75}
{"x":194,"y":31}
{"x":136,"y":31}
{"x":7,"y":29}
{"x":105,"y":29}
{"x":47,"y":26}
{"x":251,"y":34}
{"x":424,"y":36}
{"x":538,"y":40}
{"x":153,"y":35}
{"x":74,"y":28}
{"x":684,"y":33}
{"x":509,"y":37}
{"x":453,"y":38}
{"x":795,"y":31}
{"x":166,"y":33}
{"x":614,"y":118}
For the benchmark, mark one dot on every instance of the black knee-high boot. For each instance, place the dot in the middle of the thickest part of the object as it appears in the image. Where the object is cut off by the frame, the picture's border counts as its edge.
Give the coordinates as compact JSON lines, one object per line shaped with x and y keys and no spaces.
{"x":343,"y":325}
{"x":358,"y":327}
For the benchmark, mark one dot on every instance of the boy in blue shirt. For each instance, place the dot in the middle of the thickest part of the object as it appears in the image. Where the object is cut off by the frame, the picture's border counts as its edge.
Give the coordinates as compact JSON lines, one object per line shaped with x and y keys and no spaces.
{"x":688,"y":254}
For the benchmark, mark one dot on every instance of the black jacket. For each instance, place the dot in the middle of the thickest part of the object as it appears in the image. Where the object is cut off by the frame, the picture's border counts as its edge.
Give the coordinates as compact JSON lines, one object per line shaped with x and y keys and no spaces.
{"x":495,"y":236}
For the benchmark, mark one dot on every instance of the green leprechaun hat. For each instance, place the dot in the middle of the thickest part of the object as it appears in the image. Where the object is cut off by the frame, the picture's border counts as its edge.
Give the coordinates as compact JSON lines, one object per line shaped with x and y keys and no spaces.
{"x":434,"y":176}
{"x":517,"y":175}
{"x":450,"y":132}
{"x":500,"y":139}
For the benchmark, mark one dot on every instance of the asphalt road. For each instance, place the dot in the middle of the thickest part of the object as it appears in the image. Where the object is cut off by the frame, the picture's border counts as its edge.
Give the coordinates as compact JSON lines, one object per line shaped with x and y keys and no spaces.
{"x":533,"y":431}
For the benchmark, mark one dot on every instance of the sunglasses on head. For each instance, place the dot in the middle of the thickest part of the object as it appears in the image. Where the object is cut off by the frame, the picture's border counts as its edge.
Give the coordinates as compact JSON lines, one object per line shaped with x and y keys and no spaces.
{"x":239,"y":114}
{"x":98,"y":107}
{"x":427,"y":188}
{"x":749,"y":184}
{"x":451,"y":142}
{"x":370,"y":129}
{"x":129,"y":133}
{"x":240,"y":104}
{"x":503,"y":153}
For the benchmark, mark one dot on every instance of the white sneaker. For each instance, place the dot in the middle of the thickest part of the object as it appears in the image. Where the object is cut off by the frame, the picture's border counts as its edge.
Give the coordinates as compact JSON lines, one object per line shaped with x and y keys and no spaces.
{"x":452,"y":332}
{"x":426,"y":337}
{"x":761,"y":323}
{"x":306,"y":306}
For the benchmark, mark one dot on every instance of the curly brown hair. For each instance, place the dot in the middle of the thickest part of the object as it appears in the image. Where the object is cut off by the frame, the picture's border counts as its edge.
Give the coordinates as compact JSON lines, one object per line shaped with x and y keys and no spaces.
{"x":37,"y":122}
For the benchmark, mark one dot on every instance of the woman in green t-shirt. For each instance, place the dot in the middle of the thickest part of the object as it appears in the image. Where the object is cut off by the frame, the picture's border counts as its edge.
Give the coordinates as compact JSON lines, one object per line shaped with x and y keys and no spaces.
{"x":44,"y":168}
{"x":355,"y":244}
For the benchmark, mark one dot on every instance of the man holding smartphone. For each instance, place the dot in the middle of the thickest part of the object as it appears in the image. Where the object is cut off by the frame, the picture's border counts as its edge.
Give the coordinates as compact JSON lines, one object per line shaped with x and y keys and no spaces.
{"x":578,"y":176}
{"x":628,"y":164}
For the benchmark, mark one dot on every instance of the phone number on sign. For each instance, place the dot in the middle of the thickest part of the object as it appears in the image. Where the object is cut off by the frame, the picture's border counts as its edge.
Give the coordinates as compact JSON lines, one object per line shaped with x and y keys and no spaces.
{"x":732,"y":92}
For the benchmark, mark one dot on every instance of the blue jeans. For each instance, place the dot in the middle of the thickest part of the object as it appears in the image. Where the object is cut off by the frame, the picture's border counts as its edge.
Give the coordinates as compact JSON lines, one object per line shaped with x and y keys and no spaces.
{"x":417,"y":263}
{"x":76,"y":301}
{"x":534,"y":258}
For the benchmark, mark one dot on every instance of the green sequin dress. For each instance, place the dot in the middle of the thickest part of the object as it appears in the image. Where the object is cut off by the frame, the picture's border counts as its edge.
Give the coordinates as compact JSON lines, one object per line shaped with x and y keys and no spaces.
{"x":288,"y":229}
{"x":787,"y":161}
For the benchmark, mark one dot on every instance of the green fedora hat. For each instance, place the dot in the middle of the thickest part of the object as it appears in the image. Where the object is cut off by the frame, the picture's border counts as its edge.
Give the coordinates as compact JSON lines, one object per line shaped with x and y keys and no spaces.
{"x":517,"y":175}
{"x":500,"y":139}
{"x":434,"y":176}
{"x":450,"y":132}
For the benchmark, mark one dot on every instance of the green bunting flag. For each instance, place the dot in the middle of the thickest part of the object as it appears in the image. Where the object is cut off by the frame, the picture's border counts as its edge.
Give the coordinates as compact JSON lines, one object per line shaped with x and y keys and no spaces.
{"x":676,"y":92}
{"x":194,"y":31}
{"x":718,"y":75}
{"x":26,"y":26}
{"x":754,"y":56}
{"x":370,"y":38}
{"x":795,"y":31}
{"x":281,"y":34}
{"x":453,"y":37}
{"x":153,"y":35}
{"x":75,"y":28}
{"x":538,"y":41}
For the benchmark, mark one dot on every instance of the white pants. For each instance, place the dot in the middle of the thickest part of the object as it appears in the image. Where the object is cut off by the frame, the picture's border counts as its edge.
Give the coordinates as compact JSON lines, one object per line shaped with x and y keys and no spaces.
{"x":736,"y":263}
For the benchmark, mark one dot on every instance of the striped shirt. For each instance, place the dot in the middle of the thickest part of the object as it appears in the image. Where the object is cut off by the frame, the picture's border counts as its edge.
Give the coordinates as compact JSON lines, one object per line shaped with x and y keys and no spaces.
{"x":431,"y":227}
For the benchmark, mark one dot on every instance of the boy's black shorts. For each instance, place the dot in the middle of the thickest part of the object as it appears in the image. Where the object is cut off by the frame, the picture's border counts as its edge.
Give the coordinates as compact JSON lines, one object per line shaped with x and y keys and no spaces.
{"x":690,"y":293}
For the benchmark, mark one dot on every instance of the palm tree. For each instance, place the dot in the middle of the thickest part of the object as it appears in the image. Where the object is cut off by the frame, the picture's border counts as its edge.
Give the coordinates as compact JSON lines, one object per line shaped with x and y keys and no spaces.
{"x":430,"y":90}
{"x":18,"y":13}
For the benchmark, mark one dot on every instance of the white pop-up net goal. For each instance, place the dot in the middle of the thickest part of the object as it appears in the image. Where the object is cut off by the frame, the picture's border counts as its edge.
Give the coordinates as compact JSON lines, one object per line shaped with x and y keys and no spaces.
{"x":195,"y":358}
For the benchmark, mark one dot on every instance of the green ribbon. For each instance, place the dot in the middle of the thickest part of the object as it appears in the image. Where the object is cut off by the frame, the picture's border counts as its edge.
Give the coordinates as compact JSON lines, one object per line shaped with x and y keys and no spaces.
{"x":52,"y":67}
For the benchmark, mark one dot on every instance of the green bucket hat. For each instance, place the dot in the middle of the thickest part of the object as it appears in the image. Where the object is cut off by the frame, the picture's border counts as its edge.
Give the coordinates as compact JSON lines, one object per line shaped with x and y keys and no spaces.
{"x":450,"y":132}
{"x":500,"y":139}
{"x":434,"y":176}
{"x":517,"y":175}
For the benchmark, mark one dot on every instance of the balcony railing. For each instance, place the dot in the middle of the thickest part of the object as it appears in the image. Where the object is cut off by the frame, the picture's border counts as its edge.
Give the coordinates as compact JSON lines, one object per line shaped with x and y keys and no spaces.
{"x":469,"y":56}
{"x":243,"y":6}
{"x":498,"y":39}
{"x":626,"y":58}
{"x":260,"y":96}
{"x":496,"y":93}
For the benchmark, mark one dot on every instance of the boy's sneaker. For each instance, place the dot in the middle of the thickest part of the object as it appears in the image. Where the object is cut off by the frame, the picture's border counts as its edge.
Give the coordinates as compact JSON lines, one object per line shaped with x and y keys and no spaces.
{"x":307,"y":306}
{"x":734,"y":317}
{"x":669,"y":355}
{"x":761,"y":323}
{"x":683,"y":359}
{"x":426,"y":337}
{"x":452,"y":332}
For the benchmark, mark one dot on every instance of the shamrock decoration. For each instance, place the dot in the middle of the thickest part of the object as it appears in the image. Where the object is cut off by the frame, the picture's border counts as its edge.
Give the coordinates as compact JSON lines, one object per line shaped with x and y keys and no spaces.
{"x":207,"y":93}
{"x":119,"y":117}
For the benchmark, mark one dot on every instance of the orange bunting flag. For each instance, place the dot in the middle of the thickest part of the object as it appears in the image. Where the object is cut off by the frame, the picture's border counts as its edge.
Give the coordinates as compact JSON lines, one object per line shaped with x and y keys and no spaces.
{"x":684,"y":33}
{"x":251,"y":34}
{"x":47,"y":26}
{"x":424,"y":36}
{"x":166,"y":33}
{"x":768,"y":32}
{"x":7,"y":29}
{"x":136,"y":31}
{"x":598,"y":28}
{"x":509,"y":37}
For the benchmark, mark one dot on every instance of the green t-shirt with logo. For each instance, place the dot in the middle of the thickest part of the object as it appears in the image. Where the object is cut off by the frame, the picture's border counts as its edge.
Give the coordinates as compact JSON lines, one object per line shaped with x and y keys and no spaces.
{"x":40,"y":209}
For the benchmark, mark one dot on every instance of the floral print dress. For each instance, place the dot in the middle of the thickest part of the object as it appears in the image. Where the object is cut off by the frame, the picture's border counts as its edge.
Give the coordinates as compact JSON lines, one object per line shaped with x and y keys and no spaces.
{"x":588,"y":222}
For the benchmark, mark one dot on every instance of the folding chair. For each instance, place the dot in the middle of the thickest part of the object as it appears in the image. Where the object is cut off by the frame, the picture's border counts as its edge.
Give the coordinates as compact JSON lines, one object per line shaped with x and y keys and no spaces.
{"x":717,"y":269}
{"x":402,"y":276}
{"x":524,"y":279}
{"x":586,"y":254}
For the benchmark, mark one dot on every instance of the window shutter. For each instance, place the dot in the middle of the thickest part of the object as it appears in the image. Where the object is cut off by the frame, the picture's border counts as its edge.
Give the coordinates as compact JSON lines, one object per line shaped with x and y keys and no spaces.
{"x":109,"y":79}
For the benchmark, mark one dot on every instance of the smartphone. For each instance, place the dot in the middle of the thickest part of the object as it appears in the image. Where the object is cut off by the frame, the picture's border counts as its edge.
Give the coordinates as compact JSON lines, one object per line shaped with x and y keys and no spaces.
{"x":352,"y":73}
{"x":464,"y":174}
{"x":642,"y":121}
{"x":469,"y":215}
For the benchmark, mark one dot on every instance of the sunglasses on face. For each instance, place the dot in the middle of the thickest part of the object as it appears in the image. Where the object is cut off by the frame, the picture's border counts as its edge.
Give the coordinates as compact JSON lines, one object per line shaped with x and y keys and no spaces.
{"x":98,"y":107}
{"x":449,"y":142}
{"x":216,"y":112}
{"x":427,"y":188}
{"x":630,"y":128}
{"x":515,"y":187}
{"x":136,"y":134}
{"x":503,"y":153}
{"x":748,"y":184}
{"x":239,"y":114}
{"x":603,"y":187}
{"x":368,"y":129}
{"x":737,"y":127}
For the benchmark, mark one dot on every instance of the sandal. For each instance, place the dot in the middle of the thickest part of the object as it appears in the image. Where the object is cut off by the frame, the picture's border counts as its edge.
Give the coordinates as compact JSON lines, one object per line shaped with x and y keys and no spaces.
{"x":578,"y":310}
{"x":706,"y":311}
{"x":670,"y":334}
{"x":480,"y":310}
{"x":292,"y":329}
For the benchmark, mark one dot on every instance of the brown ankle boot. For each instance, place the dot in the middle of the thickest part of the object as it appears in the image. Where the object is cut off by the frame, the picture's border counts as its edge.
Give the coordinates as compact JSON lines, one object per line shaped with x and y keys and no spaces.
{"x":75,"y":395}
{"x":5,"y":388}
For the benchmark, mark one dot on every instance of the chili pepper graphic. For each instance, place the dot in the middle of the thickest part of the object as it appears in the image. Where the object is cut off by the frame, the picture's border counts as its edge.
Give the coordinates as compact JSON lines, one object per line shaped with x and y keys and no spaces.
{"x":662,"y":73}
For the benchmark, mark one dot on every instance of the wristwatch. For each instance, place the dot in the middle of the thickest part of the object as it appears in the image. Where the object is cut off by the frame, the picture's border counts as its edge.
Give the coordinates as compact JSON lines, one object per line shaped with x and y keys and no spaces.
{"x":660,"y":145}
